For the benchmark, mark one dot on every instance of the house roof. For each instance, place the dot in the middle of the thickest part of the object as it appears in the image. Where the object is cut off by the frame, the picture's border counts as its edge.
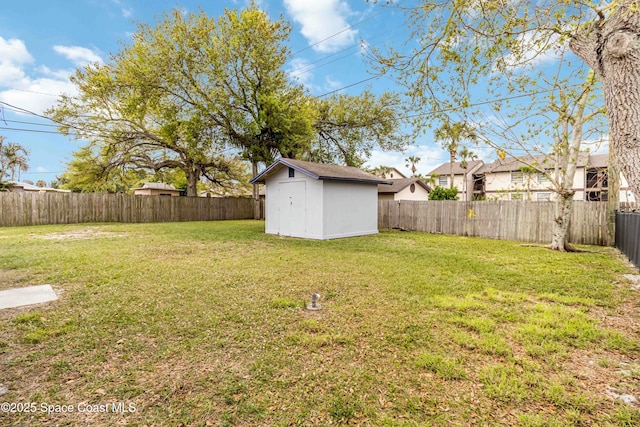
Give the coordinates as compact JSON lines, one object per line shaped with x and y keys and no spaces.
{"x":598,"y":160}
{"x":156,"y":186}
{"x":400,"y":184}
{"x":515,"y":164}
{"x":320,"y":171}
{"x":443,"y":169}
{"x":388,"y":176}
{"x":30,"y":187}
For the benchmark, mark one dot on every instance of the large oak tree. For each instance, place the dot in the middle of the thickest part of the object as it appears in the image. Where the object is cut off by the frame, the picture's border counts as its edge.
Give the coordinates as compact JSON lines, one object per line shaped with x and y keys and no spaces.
{"x":192,"y":87}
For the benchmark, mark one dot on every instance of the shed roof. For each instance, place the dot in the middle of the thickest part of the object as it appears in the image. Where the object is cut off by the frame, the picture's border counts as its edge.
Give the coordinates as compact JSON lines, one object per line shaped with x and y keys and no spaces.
{"x":320,"y":171}
{"x":400,"y":184}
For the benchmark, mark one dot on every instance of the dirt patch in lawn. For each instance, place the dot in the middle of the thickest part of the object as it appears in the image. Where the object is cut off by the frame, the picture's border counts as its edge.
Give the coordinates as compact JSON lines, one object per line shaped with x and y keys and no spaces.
{"x":89,"y":233}
{"x":14,"y":279}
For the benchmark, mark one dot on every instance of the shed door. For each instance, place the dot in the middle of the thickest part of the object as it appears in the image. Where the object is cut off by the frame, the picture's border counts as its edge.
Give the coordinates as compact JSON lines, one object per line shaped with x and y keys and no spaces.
{"x":291,"y":208}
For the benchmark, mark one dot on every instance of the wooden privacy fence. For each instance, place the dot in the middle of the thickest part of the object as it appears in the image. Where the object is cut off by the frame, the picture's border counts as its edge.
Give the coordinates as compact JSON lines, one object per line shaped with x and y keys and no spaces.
{"x":71,"y":208}
{"x":505,"y":220}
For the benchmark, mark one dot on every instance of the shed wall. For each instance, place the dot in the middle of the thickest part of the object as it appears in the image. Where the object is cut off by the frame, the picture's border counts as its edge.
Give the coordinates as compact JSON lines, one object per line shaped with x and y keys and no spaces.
{"x":350,"y":209}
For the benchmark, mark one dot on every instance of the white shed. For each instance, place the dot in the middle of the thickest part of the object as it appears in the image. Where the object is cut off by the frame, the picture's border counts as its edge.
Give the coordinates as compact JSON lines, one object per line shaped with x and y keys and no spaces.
{"x":319,"y":201}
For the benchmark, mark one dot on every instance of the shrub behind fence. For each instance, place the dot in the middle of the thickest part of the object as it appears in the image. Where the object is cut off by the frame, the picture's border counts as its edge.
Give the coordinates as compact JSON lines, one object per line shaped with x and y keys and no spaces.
{"x":71,"y":208}
{"x":505,"y":220}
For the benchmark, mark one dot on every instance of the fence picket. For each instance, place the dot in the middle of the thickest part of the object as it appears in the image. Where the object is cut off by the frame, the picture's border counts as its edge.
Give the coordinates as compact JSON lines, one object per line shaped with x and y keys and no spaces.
{"x":506,"y":220}
{"x":18,"y":209}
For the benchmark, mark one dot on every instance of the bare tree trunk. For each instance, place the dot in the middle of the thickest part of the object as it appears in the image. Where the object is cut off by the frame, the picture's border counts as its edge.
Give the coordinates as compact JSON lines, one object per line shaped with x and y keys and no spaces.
{"x":569,"y":148}
{"x":452,"y":160}
{"x":256,"y":192}
{"x":192,"y":182}
{"x":564,"y":207}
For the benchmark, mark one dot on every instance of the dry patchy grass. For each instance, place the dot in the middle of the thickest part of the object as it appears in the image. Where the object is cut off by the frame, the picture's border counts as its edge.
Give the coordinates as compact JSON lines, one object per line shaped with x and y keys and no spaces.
{"x":204,"y":324}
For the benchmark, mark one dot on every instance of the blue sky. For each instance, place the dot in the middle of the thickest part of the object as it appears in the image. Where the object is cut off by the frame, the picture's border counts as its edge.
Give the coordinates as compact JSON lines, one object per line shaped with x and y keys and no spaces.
{"x":42,"y":42}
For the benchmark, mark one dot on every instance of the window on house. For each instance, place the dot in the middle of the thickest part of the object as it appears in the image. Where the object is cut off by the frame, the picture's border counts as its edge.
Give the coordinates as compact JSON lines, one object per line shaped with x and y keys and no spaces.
{"x":443,"y":181}
{"x":543,"y":178}
{"x":292,"y":173}
{"x":412,"y":188}
{"x":543,"y":197}
{"x":517,"y":177}
{"x":516,"y":196}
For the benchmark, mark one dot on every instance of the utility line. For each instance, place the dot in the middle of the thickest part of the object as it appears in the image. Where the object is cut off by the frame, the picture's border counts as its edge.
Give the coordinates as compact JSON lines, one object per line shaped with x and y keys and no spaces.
{"x":337,"y":34}
{"x":444,"y":110}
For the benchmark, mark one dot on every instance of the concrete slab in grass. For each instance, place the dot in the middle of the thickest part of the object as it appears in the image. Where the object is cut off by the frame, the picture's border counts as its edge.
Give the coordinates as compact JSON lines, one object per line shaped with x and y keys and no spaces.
{"x":18,"y":297}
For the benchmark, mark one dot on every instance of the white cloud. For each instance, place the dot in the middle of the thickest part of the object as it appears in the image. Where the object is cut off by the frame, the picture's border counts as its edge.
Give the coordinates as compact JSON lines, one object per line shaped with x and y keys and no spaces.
{"x":127,"y":12}
{"x":321,"y":20}
{"x":36,"y":88}
{"x":430,"y":158}
{"x":300,"y":70}
{"x":38,"y":94}
{"x":597,"y":145}
{"x":78,"y":55}
{"x":535,"y":52}
{"x":13,"y":57}
{"x":331,"y":85}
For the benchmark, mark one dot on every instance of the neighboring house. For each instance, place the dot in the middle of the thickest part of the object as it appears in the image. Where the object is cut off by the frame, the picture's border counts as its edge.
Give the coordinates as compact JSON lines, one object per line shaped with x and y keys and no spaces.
{"x":319,"y":201}
{"x":464,"y":179}
{"x":156,"y":189}
{"x":25,"y":187}
{"x":404,"y":189}
{"x":392,"y":174}
{"x":514,"y":179}
{"x":597,"y":181}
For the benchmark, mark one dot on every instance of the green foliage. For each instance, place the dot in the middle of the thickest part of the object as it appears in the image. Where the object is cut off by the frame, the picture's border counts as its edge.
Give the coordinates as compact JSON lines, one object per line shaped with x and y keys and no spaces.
{"x":440,"y":193}
{"x":13,"y":160}
{"x":350,"y":127}
{"x":88,"y":172}
{"x":182,"y":91}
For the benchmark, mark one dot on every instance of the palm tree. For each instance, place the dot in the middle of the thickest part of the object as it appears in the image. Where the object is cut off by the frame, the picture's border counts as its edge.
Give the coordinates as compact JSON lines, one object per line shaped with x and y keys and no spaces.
{"x":412,"y":160}
{"x":450,"y":136}
{"x":14,"y":158}
{"x":466,"y":155}
{"x":382,"y":171}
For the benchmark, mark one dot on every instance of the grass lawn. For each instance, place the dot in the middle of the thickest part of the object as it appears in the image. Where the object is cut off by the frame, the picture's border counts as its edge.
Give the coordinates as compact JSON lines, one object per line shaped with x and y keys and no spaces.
{"x":205,"y":324}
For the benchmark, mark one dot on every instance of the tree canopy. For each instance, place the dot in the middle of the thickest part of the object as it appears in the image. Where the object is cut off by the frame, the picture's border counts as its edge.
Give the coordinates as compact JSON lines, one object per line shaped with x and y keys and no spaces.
{"x":13,"y":159}
{"x":191,"y":90}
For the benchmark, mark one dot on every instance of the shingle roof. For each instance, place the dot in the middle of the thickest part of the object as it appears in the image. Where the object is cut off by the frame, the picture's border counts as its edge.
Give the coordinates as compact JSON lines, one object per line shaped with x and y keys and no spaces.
{"x":320,"y":171}
{"x":400,"y":184}
{"x":443,"y":169}
{"x":515,"y":164}
{"x":156,"y":186}
{"x":598,"y":160}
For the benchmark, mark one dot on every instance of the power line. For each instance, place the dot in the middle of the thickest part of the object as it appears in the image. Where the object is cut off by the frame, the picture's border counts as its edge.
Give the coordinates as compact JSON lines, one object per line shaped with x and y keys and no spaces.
{"x":337,"y":34}
{"x":36,"y":92}
{"x":28,"y":123}
{"x":348,"y":86}
{"x":32,"y":130}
